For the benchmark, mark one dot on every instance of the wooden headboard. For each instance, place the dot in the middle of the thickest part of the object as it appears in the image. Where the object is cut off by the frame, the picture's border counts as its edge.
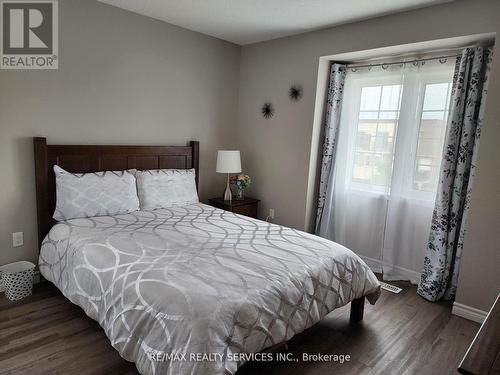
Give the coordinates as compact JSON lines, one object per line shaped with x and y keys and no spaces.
{"x":77,"y":158}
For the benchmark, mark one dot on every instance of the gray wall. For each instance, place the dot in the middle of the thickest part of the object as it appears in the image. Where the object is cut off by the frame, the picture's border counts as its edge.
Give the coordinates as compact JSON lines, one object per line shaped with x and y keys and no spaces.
{"x":122,"y":78}
{"x":277,"y":152}
{"x":125,"y":78}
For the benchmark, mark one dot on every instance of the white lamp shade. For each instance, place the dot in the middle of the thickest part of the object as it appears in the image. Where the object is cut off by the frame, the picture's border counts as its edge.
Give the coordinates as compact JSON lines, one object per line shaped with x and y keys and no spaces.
{"x":228,"y":161}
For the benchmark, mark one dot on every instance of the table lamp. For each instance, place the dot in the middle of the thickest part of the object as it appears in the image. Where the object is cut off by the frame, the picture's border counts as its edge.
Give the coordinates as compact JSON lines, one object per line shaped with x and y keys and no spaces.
{"x":228,"y":161}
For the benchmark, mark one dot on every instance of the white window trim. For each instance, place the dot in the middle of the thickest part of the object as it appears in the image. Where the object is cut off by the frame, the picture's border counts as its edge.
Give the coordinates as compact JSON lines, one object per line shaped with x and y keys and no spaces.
{"x":410,"y":110}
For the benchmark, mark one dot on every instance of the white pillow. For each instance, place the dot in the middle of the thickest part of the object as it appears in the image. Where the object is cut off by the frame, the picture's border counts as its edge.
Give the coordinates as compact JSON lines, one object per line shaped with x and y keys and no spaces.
{"x":163,"y":188}
{"x":94,"y":194}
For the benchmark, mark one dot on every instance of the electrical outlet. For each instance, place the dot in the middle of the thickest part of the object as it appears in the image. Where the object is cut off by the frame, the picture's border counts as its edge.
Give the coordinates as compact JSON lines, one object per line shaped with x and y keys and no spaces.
{"x":17,"y":239}
{"x":271,"y":213}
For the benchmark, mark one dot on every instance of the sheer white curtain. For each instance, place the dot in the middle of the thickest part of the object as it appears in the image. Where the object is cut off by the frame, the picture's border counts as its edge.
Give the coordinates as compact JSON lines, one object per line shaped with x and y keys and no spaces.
{"x":390,"y":145}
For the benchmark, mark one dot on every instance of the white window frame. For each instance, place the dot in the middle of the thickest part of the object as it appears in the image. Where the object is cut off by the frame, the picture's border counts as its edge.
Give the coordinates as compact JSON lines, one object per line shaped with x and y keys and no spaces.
{"x":353,"y":117}
{"x":429,"y":79}
{"x":412,"y":112}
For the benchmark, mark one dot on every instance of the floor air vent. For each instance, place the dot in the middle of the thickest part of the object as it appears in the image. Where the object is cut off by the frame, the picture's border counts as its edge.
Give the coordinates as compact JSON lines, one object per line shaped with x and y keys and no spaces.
{"x":390,"y":288}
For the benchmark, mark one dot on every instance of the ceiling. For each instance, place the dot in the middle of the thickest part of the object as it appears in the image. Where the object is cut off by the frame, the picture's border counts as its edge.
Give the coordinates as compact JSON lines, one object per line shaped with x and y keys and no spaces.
{"x":249,"y":21}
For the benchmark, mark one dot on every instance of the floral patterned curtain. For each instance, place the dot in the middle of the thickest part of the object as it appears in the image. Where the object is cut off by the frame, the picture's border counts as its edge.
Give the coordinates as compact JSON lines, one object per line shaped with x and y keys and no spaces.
{"x":441,"y":264}
{"x":332,"y":121}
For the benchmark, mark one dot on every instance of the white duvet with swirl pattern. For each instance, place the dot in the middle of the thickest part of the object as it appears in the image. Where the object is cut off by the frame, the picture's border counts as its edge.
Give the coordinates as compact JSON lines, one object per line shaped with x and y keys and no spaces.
{"x":196,"y":279}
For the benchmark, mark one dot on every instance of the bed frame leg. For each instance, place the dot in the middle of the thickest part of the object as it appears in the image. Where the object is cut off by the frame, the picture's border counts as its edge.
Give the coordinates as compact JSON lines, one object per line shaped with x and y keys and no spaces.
{"x":357,"y":309}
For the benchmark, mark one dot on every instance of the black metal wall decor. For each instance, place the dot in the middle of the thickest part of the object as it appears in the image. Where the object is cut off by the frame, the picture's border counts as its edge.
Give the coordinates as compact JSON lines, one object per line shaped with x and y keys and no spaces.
{"x":267,"y":110}
{"x":295,"y":93}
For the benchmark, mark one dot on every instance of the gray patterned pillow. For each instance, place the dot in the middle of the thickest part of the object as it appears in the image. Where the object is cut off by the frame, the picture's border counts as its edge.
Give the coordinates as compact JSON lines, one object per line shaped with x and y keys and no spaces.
{"x":94,"y":194}
{"x":163,"y":188}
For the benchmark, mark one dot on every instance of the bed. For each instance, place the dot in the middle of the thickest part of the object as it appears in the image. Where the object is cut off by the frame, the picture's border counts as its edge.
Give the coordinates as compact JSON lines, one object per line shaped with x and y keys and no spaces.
{"x":188,"y":290}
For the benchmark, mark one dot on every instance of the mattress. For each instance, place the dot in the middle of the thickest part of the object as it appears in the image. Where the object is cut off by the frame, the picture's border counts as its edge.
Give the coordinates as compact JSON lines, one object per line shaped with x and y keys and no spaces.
{"x":187,"y":290}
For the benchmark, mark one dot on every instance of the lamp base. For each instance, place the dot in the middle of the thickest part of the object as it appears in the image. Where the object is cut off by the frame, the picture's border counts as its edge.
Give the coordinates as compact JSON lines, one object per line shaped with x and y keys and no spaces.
{"x":228,"y":196}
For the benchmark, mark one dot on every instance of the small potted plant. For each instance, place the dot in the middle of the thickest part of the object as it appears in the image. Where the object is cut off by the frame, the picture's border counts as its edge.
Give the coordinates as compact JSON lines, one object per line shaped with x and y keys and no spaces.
{"x":241,"y":181}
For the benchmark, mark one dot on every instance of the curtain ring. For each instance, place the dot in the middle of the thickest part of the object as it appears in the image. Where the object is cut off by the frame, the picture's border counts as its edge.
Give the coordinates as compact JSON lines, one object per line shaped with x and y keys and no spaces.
{"x":385,"y":66}
{"x":354,"y":70}
{"x":443,"y":60}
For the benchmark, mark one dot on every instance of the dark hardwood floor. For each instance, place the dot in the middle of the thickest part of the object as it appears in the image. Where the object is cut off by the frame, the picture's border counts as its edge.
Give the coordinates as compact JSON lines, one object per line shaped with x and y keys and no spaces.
{"x":401,"y":334}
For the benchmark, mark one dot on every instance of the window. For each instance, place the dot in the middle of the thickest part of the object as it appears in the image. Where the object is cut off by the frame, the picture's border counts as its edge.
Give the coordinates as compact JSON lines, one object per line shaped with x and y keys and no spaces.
{"x":376,"y":129}
{"x":431,"y":134}
{"x":389,"y":146}
{"x":396,"y":122}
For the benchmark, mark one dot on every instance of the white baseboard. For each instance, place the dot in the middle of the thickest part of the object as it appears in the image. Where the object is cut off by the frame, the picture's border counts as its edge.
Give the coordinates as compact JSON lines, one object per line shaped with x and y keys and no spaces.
{"x":376,"y":265}
{"x":459,"y":309}
{"x":468,"y":312}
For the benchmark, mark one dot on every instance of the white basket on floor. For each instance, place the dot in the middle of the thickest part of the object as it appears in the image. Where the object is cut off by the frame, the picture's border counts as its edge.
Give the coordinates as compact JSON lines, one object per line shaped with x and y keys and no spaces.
{"x":17,"y":279}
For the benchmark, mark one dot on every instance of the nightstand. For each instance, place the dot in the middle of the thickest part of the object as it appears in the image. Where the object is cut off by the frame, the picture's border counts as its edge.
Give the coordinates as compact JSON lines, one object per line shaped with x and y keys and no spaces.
{"x":247,"y":206}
